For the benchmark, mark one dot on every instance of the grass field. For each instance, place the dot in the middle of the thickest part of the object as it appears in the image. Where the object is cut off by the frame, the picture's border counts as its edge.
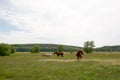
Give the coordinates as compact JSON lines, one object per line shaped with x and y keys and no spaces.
{"x":27,"y":66}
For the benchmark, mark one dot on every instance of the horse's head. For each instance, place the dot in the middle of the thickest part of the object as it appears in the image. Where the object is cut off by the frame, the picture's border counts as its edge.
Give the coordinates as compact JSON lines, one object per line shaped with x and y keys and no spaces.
{"x":81,"y":52}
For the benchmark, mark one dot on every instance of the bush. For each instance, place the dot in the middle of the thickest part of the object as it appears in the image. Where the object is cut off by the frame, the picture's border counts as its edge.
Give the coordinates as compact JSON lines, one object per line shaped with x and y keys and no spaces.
{"x":5,"y":49}
{"x":35,"y":49}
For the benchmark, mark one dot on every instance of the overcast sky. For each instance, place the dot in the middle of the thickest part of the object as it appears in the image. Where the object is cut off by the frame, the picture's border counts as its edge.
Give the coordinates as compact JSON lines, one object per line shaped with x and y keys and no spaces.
{"x":70,"y":22}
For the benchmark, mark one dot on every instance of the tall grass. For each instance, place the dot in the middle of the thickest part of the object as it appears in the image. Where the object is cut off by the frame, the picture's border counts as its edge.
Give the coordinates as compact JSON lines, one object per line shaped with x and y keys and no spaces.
{"x":26,"y":66}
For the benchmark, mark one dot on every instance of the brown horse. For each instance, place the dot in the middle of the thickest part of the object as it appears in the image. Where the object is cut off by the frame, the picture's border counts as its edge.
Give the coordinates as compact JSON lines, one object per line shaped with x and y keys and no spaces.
{"x":79,"y":54}
{"x":59,"y":53}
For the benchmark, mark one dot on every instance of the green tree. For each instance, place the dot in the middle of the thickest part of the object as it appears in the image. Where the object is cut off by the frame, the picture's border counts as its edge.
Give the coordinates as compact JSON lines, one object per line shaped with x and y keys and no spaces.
{"x":5,"y":49}
{"x":60,"y":48}
{"x":88,"y":47}
{"x":35,"y":49}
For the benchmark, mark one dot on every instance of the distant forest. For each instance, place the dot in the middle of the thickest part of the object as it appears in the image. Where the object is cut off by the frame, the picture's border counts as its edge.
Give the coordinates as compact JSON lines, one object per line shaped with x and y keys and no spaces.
{"x":109,"y":48}
{"x":44,"y":47}
{"x":67,"y":48}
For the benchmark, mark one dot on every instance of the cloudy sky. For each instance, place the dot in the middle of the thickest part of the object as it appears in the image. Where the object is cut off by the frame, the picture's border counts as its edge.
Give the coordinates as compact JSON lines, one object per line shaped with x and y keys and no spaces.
{"x":70,"y":22}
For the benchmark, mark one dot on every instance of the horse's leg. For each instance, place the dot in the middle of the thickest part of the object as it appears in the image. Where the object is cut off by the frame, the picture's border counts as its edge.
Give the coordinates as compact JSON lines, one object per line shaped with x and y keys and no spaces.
{"x":77,"y":57}
{"x":81,"y":56}
{"x":62,"y":55}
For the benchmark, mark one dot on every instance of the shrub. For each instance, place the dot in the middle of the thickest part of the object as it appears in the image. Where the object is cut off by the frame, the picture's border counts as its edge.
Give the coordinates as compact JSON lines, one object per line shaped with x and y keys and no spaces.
{"x":35,"y":49}
{"x":5,"y":49}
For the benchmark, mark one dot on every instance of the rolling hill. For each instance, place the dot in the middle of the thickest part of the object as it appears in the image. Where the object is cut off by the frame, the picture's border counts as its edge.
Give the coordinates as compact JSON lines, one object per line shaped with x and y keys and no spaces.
{"x":44,"y":47}
{"x":67,"y":48}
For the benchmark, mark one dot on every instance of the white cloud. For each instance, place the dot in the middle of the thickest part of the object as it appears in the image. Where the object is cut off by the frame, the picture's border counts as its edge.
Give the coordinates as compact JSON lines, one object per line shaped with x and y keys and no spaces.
{"x":63,"y":21}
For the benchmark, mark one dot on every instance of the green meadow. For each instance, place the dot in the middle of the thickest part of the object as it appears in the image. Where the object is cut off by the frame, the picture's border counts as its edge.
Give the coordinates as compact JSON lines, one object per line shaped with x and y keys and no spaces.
{"x":33,"y":66}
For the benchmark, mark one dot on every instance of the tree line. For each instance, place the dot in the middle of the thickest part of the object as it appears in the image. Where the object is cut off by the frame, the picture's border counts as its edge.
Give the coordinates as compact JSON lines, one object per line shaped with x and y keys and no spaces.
{"x":88,"y":47}
{"x":109,"y":49}
{"x":67,"y":48}
{"x":44,"y":47}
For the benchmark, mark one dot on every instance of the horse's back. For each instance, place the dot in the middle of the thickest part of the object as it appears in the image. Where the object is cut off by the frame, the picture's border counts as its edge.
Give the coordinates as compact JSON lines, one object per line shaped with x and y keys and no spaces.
{"x":79,"y":53}
{"x":59,"y":53}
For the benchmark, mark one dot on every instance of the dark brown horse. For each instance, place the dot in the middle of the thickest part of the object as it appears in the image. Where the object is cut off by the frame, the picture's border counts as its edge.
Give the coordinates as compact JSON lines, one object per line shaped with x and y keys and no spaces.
{"x":59,"y":53}
{"x":79,"y":54}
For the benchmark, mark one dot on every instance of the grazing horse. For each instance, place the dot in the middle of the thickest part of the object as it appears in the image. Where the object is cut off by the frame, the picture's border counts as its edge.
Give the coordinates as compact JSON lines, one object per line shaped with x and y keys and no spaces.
{"x":59,"y":53}
{"x":79,"y":54}
{"x":46,"y":55}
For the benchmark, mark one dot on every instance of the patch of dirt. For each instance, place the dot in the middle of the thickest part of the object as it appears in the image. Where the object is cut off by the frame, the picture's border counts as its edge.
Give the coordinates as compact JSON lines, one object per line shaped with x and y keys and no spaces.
{"x":59,"y":60}
{"x":112,"y":61}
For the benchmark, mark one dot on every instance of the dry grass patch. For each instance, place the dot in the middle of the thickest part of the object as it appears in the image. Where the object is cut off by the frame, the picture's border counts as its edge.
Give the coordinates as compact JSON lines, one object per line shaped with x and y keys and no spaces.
{"x":111,"y":61}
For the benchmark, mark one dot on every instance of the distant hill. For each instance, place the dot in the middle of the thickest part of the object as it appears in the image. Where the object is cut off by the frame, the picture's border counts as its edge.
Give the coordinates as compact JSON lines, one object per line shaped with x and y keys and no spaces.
{"x":109,"y":48}
{"x":67,"y":48}
{"x":44,"y":47}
